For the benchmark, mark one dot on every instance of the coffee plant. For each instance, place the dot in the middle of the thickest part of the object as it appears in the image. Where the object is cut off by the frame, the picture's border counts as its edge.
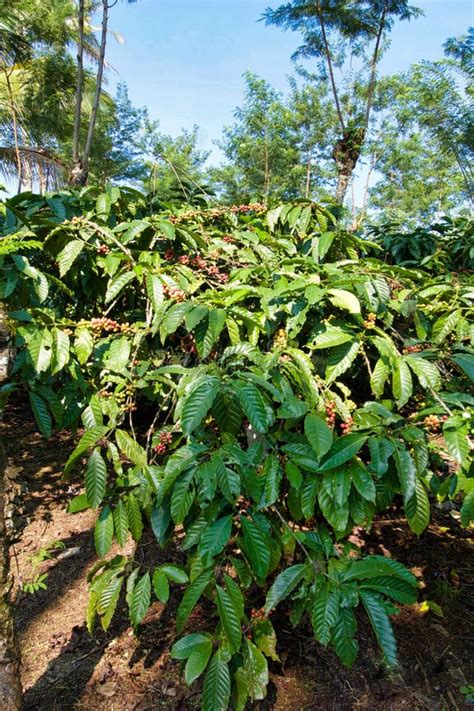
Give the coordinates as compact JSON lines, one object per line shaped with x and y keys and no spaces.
{"x":249,"y":384}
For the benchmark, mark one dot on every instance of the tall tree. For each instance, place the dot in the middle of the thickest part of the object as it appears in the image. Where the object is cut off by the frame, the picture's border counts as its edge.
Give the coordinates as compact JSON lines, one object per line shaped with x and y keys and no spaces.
{"x":81,"y":157}
{"x":332,"y":30}
{"x":259,"y":147}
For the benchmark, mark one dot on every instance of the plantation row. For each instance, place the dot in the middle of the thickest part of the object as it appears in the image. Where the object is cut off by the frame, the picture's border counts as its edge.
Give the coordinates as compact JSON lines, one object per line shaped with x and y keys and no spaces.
{"x":250,"y":384}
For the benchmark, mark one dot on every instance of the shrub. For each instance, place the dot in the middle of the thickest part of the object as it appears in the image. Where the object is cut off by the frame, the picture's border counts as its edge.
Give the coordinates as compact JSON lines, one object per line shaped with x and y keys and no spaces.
{"x":250,"y":384}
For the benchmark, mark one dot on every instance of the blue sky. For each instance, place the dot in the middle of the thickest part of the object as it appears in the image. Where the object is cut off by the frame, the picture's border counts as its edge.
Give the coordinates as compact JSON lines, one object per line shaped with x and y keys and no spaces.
{"x":184,"y":59}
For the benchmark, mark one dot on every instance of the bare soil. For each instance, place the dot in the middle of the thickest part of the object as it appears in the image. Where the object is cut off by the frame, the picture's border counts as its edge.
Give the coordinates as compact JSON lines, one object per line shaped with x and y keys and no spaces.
{"x":64,"y":668}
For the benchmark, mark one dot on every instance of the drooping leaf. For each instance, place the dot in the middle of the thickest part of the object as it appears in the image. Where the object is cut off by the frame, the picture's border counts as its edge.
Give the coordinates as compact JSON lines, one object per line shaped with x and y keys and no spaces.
{"x":318,"y":434}
{"x":216,"y":692}
{"x":104,"y":531}
{"x":381,"y":625}
{"x":96,"y":479}
{"x":284,"y":585}
{"x":229,"y":619}
{"x":191,"y":597}
{"x":140,"y":599}
{"x":256,"y":547}
{"x":342,"y":450}
{"x":198,"y":403}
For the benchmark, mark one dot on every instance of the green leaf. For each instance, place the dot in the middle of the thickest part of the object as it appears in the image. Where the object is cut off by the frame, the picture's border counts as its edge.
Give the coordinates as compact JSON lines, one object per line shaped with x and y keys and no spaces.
{"x":118,"y":354}
{"x":117,"y":284}
{"x":214,"y":538}
{"x":318,"y":434}
{"x":309,"y":493}
{"x":467,"y":509}
{"x":406,"y":471}
{"x":198,"y":403}
{"x":344,"y":300}
{"x":256,"y":671}
{"x":42,"y":416}
{"x":426,"y":372}
{"x":140,"y":599}
{"x":466,"y":363}
{"x":392,"y":587}
{"x":184,"y":647}
{"x":325,"y":612}
{"x":154,"y":288}
{"x":174,"y":317}
{"x":161,"y":586}
{"x":331,"y":336}
{"x":40,"y":350}
{"x":362,"y":481}
{"x":89,"y":439}
{"x":381,"y":625}
{"x":191,"y":597}
{"x":83,"y":345}
{"x":107,"y":601}
{"x":417,"y":509}
{"x":272,"y":475}
{"x":61,"y":349}
{"x":456,"y":436}
{"x":342,"y":636}
{"x":121,"y":523}
{"x":104,"y":531}
{"x":78,"y":503}
{"x":402,"y":385}
{"x":174,"y":573}
{"x":96,"y":479}
{"x":445,"y":325}
{"x":68,"y":255}
{"x":229,"y":619}
{"x":216,"y":692}
{"x":283,"y":585}
{"x":92,"y":415}
{"x":254,"y":407}
{"x":375,"y":565}
{"x":340,"y":360}
{"x":197,"y":661}
{"x":130,"y":448}
{"x":379,"y":377}
{"x":257,"y":547}
{"x":134,"y":517}
{"x":343,"y":449}
{"x":182,"y":497}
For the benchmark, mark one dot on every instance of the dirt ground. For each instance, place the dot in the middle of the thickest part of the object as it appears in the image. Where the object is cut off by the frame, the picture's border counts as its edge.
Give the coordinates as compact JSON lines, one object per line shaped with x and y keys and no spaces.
{"x":64,"y":668}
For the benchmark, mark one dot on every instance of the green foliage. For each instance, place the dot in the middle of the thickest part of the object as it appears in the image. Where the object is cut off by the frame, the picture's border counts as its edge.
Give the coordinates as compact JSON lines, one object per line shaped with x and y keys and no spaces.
{"x":250,"y":385}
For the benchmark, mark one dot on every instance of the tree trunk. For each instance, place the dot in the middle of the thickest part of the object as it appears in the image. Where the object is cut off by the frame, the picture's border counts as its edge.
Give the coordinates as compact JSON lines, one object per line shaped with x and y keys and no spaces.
{"x":98,"y":89}
{"x":79,"y":85}
{"x":10,"y":683}
{"x":346,"y":153}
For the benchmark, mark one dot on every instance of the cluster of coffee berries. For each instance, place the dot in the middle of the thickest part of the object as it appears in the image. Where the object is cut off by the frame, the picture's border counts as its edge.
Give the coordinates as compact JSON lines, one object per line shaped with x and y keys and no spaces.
{"x":284,"y":358}
{"x":331,"y":413}
{"x":258,"y":614}
{"x":199,"y":263}
{"x":432,"y":422}
{"x":108,"y":324}
{"x":103,"y":249}
{"x":164,"y":442}
{"x":347,"y":425}
{"x":228,"y":238}
{"x":174,"y":293}
{"x":188,"y":343}
{"x":216,"y":212}
{"x":280,"y":340}
{"x":370,"y":321}
{"x":413,"y":349}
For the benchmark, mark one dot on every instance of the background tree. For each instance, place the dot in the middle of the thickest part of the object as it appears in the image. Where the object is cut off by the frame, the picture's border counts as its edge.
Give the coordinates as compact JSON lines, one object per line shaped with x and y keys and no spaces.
{"x":260,"y":148}
{"x":333,"y":30}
